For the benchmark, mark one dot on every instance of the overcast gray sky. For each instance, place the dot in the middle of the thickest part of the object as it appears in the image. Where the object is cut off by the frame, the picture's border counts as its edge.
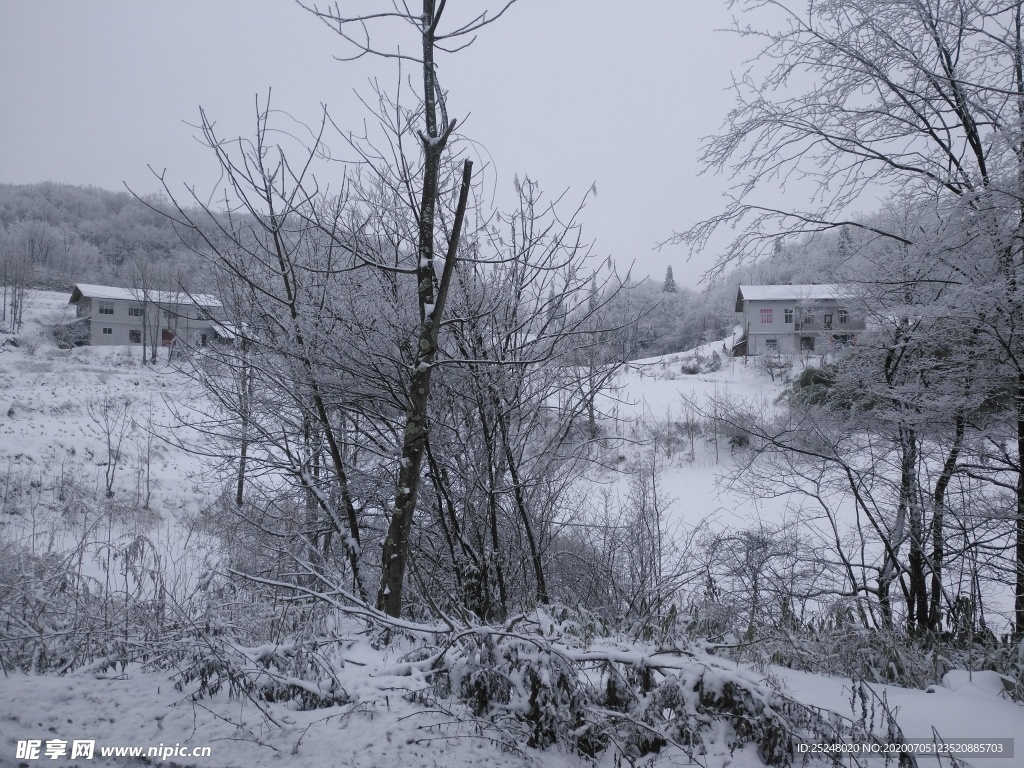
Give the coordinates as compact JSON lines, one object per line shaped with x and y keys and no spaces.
{"x":569,"y":92}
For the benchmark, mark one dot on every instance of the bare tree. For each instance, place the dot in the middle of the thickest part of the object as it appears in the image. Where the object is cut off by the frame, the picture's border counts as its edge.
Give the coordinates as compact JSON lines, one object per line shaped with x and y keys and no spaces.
{"x":515,"y":422}
{"x":27,"y":245}
{"x":421,"y":194}
{"x":115,"y":418}
{"x":142,"y":275}
{"x":390,"y":332}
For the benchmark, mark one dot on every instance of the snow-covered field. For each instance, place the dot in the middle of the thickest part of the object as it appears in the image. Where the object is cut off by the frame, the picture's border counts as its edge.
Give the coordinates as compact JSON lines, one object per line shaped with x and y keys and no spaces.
{"x":48,"y":430}
{"x":658,"y":390}
{"x":46,"y":394}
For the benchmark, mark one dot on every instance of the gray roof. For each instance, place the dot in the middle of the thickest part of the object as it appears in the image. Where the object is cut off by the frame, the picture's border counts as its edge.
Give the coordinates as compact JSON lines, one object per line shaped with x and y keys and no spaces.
{"x":812,"y":292}
{"x":88,"y":291}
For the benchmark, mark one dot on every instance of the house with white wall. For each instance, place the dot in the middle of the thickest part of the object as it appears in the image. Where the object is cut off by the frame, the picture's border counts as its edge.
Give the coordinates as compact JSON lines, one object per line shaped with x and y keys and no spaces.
{"x":794,"y":318}
{"x":105,"y":316}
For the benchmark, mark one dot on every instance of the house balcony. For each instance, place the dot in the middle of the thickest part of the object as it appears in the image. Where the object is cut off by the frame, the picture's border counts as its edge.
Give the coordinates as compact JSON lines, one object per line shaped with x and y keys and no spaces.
{"x":852,"y":325}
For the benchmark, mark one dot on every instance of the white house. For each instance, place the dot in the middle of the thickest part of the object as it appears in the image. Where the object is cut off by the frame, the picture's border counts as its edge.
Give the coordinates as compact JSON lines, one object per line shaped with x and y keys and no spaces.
{"x":791,"y":318}
{"x":110,"y":316}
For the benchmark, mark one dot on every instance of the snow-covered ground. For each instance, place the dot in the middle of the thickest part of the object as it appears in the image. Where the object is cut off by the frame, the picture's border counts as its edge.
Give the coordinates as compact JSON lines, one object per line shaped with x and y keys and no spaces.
{"x":382,"y":728}
{"x":966,"y":706}
{"x":145,"y":710}
{"x":45,"y":421}
{"x":660,"y":390}
{"x":46,"y":431}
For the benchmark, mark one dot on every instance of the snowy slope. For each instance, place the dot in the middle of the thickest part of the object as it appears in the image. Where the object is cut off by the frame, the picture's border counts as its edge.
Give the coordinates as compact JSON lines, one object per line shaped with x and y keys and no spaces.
{"x":648,"y":407}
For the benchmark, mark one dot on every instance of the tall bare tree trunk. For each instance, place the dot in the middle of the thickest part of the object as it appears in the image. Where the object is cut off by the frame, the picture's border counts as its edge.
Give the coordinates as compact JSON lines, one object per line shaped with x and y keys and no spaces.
{"x":395,"y":554}
{"x":1018,"y":598}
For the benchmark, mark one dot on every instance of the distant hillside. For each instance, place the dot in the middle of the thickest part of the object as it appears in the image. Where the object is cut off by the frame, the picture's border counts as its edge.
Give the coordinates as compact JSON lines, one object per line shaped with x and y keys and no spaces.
{"x":57,"y":234}
{"x":52,"y":235}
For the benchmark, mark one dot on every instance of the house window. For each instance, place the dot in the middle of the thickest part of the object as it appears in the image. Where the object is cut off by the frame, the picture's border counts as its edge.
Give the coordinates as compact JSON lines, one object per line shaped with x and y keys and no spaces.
{"x":828,"y":321}
{"x":106,"y":308}
{"x":108,"y":331}
{"x":766,"y":317}
{"x":807,"y":343}
{"x":844,"y":317}
{"x":789,"y":316}
{"x":134,"y":337}
{"x":203,"y":339}
{"x":771,"y":344}
{"x":134,"y":311}
{"x":808,"y":317}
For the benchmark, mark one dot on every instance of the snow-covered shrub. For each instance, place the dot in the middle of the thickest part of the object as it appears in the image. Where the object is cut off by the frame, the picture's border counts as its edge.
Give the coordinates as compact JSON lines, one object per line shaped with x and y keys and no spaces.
{"x":690,"y":367}
{"x":737,"y":427}
{"x":668,"y":436}
{"x":236,"y":640}
{"x":109,"y":599}
{"x":775,"y":365}
{"x":32,"y":341}
{"x":543,"y":687}
{"x":739,"y":440}
{"x":814,"y":386}
{"x":842,"y":647}
{"x":299,"y":671}
{"x":50,"y":614}
{"x":477,"y":679}
{"x":689,"y":703}
{"x":58,"y":613}
{"x":123,"y":358}
{"x":521,"y":679}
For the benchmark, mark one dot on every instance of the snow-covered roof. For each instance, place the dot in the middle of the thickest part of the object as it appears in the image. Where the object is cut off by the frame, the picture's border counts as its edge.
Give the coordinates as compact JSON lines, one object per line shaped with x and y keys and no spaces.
{"x":228,"y":331}
{"x":88,"y":291}
{"x":788,"y":293}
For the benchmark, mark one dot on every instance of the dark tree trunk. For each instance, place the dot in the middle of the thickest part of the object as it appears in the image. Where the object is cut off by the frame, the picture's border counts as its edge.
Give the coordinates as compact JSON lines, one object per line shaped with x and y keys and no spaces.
{"x":939,"y":522}
{"x":395,"y":551}
{"x":1018,"y":601}
{"x":917,"y":599}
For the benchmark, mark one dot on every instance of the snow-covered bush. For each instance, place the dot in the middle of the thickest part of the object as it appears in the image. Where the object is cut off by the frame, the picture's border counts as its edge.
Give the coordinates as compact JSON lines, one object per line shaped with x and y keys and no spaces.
{"x":524,"y":680}
{"x":775,"y":365}
{"x":544,"y":687}
{"x":698,"y":363}
{"x":32,"y":341}
{"x":50,"y":615}
{"x":690,"y":367}
{"x":889,"y":657}
{"x":690,"y":702}
{"x":55,"y":618}
{"x":298,"y":670}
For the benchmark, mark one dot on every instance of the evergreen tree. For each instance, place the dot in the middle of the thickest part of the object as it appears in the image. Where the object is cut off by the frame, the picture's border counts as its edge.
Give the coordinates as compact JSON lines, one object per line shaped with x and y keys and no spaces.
{"x":845,"y":247}
{"x":670,"y":282}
